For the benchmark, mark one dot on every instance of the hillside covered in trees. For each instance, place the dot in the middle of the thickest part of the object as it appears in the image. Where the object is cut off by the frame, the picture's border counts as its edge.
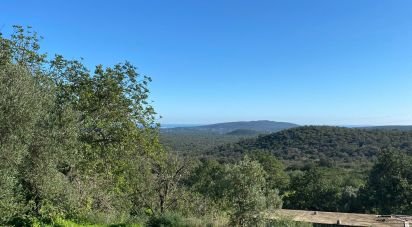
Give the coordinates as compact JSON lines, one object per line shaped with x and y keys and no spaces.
{"x":199,"y":139}
{"x":338,"y":144}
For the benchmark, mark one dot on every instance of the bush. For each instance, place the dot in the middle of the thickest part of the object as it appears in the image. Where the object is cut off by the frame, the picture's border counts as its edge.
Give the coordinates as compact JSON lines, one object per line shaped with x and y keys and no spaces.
{"x":166,"y":220}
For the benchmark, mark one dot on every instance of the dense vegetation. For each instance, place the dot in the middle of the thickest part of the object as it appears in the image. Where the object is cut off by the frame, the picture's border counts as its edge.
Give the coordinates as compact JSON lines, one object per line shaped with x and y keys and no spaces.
{"x":81,"y":146}
{"x":390,"y":127}
{"x":191,"y":143}
{"x":243,"y":132}
{"x":331,"y":144}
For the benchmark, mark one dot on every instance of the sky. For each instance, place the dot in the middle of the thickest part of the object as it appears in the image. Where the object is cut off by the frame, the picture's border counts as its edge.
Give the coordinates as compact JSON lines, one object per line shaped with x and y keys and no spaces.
{"x":335,"y":62}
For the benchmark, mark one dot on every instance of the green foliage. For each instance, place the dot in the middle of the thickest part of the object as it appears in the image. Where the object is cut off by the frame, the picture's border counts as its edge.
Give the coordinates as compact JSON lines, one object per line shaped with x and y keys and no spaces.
{"x":344,"y":146}
{"x":117,"y":128}
{"x":166,"y":220}
{"x":208,"y":179}
{"x":239,"y":189}
{"x":323,"y":189}
{"x":23,"y":102}
{"x":163,"y":189}
{"x":243,"y":132}
{"x":389,"y":188}
{"x":22,"y":48}
{"x":72,"y":143}
{"x":20,"y":110}
{"x":246,"y":192}
{"x":60,"y":222}
{"x":196,"y":143}
{"x":276,"y":177}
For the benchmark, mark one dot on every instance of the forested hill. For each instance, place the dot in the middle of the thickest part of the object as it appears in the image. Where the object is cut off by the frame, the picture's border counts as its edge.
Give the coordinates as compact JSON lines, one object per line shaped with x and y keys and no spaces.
{"x":223,"y":128}
{"x":321,"y":142}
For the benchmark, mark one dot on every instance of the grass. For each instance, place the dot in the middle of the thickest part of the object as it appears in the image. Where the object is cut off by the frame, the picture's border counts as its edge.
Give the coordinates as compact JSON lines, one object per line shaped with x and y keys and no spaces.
{"x":60,"y":222}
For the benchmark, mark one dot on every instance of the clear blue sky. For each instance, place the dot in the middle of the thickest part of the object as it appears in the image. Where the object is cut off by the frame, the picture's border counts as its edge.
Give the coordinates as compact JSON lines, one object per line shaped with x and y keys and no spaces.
{"x":309,"y":62}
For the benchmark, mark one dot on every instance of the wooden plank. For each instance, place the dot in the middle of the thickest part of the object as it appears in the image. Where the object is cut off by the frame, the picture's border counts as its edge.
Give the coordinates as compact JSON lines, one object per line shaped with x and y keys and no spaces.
{"x":348,"y":219}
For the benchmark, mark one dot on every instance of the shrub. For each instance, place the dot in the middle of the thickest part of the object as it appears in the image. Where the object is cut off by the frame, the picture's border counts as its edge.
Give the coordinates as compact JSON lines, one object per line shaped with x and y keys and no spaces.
{"x":166,"y":220}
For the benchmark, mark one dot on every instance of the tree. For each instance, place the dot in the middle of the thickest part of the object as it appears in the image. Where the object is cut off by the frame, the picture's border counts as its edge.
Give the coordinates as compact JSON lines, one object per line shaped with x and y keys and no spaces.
{"x":276,"y":177}
{"x":164,"y":191}
{"x":168,"y":178}
{"x":316,"y":189}
{"x":20,"y":110}
{"x":389,"y":186}
{"x":72,"y":143}
{"x":208,"y":179}
{"x":117,"y":129}
{"x":22,"y":48}
{"x":43,"y":133}
{"x":247,"y":193}
{"x":24,"y":101}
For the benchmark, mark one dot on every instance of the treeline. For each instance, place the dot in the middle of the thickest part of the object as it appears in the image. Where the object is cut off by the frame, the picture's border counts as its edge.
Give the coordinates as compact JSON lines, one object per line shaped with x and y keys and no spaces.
{"x":385,"y":189}
{"x":197,"y":143}
{"x":337,"y":145}
{"x":83,"y":146}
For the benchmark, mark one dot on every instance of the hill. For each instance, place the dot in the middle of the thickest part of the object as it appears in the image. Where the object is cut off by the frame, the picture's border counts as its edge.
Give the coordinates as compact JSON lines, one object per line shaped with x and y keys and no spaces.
{"x":199,"y":139}
{"x":320,"y":143}
{"x":223,"y":128}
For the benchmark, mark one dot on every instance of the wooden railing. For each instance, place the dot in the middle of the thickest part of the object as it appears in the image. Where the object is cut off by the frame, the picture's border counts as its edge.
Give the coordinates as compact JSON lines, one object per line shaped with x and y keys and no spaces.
{"x":344,"y":219}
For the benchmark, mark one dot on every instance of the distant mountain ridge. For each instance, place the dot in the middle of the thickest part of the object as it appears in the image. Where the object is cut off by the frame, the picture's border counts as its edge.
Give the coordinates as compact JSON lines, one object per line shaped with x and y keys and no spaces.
{"x":262,"y":126}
